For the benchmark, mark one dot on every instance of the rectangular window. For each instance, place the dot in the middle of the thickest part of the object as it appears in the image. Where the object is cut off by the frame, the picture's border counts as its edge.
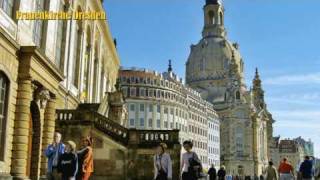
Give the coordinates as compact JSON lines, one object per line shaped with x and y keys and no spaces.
{"x":141,"y":122}
{"x":151,"y":108}
{"x":131,"y":123}
{"x":132,"y":107}
{"x":142,"y":92}
{"x":171,"y":111}
{"x":158,"y":123}
{"x":142,"y":107}
{"x":166,"y":124}
{"x":150,"y":123}
{"x":166,"y":110}
{"x":158,"y":109}
{"x":132,"y":92}
{"x":7,"y":6}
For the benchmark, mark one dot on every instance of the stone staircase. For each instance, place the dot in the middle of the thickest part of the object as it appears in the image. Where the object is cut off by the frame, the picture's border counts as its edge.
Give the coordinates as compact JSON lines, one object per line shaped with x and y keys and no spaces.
{"x":116,"y":145}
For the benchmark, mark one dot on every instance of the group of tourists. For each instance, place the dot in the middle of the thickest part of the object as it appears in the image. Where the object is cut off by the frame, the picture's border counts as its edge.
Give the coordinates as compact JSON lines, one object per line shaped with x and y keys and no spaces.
{"x":284,"y":172}
{"x":190,"y":164}
{"x":191,"y":168}
{"x":65,"y":162}
{"x":304,"y":172}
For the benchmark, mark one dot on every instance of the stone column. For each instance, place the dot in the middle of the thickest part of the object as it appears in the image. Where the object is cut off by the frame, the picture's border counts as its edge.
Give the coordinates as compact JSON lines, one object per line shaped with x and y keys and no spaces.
{"x":21,"y":129}
{"x":48,"y":131}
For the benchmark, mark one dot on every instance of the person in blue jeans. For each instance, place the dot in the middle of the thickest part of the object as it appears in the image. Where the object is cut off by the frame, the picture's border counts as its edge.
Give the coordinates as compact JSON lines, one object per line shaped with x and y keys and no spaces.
{"x":306,"y":169}
{"x":53,"y":153}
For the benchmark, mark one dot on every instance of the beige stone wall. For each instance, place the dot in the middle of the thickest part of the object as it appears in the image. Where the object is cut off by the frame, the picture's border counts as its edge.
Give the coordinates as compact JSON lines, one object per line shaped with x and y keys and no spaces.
{"x":9,"y":66}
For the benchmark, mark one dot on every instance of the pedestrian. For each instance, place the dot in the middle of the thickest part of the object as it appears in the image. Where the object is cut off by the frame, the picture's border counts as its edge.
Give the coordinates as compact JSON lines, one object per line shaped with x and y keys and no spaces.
{"x":229,"y":177}
{"x":162,"y":163}
{"x":247,"y":178}
{"x":255,"y":177}
{"x":272,"y":173}
{"x":306,"y":169}
{"x":286,"y":170}
{"x":222,"y":173}
{"x":261,"y":177}
{"x":190,"y":163}
{"x":53,"y":153}
{"x":68,"y":162}
{"x":212,"y":173}
{"x":85,"y":160}
{"x":132,"y":171}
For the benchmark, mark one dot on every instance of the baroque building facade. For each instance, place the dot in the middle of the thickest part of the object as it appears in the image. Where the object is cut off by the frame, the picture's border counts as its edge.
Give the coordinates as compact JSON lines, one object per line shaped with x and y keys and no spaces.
{"x":215,"y":69}
{"x":160,"y":101}
{"x":44,"y":66}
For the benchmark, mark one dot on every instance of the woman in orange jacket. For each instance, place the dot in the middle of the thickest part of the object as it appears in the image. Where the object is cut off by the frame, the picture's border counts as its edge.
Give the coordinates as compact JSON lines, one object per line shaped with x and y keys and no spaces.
{"x":85,"y":156}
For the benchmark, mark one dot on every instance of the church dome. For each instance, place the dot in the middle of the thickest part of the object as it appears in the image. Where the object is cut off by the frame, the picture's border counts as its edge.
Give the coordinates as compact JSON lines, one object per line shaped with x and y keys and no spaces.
{"x":210,"y":59}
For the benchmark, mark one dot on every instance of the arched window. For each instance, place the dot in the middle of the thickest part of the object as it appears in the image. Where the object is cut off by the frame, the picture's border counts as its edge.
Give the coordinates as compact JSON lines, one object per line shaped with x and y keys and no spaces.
{"x":86,"y":63}
{"x":75,"y":78}
{"x":239,"y":136}
{"x":4,"y":87}
{"x":237,"y":95}
{"x":7,"y":6}
{"x":262,"y":143}
{"x":202,"y":64}
{"x":211,"y":17}
{"x":221,"y":18}
{"x":60,"y":44}
{"x":38,"y":24}
{"x":96,"y":70}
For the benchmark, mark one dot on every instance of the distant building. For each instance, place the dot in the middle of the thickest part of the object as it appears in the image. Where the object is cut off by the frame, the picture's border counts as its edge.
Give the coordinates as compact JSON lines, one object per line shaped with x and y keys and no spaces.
{"x":292,"y":149}
{"x":308,"y":146}
{"x":160,"y":101}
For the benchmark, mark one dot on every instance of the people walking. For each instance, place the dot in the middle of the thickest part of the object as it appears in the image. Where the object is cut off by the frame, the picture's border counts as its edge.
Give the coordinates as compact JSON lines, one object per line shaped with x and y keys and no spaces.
{"x":306,"y":169}
{"x":190,"y":163}
{"x":53,"y":153}
{"x":271,"y":171}
{"x":68,"y":162}
{"x":286,"y":170}
{"x":212,"y":173}
{"x":85,"y":160}
{"x":222,"y":173}
{"x":162,"y":163}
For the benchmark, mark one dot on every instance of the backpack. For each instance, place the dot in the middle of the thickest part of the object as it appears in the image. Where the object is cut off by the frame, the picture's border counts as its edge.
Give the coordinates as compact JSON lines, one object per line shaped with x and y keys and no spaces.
{"x":195,"y":167}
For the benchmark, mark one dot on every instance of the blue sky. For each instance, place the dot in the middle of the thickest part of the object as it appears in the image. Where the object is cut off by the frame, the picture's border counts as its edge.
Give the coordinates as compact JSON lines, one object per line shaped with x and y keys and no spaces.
{"x":281,"y":38}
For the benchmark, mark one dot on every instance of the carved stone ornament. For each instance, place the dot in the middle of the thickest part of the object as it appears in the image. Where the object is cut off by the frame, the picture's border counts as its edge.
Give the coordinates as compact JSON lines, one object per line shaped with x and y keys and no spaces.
{"x":41,"y":96}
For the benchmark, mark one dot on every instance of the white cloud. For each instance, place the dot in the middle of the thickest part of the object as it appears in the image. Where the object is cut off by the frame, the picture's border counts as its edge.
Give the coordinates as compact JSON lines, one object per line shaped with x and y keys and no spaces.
{"x":313,"y":78}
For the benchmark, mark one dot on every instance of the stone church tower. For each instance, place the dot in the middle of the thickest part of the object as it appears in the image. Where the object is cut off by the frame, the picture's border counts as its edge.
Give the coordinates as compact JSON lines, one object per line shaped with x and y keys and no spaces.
{"x":215,"y":68}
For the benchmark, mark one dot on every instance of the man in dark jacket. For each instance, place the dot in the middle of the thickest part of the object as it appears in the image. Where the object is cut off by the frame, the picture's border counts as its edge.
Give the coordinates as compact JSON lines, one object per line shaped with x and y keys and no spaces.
{"x":212,"y":173}
{"x":306,"y":169}
{"x":222,"y":173}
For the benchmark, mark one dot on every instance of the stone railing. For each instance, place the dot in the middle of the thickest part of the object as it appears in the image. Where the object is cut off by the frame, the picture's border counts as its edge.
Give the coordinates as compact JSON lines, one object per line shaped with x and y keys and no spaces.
{"x":102,"y":123}
{"x":146,"y":138}
{"x":153,"y":137}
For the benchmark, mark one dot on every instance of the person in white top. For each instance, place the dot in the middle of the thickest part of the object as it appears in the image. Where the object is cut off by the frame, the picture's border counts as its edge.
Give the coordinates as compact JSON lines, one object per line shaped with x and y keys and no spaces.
{"x":162,"y":163}
{"x":190,"y":163}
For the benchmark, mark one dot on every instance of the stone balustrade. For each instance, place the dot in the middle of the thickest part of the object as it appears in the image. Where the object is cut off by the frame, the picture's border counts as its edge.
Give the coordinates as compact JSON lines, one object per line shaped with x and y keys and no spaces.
{"x":116,"y":131}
